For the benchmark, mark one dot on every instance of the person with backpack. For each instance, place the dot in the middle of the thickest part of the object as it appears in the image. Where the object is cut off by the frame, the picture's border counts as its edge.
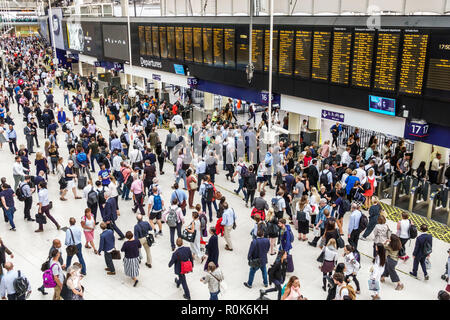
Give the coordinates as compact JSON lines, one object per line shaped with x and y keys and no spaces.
{"x":422,"y":251}
{"x":257,"y":258}
{"x":279,"y":204}
{"x":376,"y":271}
{"x":403,"y":228}
{"x":303,"y":213}
{"x":26,"y":192}
{"x":320,"y":221}
{"x":242,"y":173}
{"x":207,"y":191}
{"x":7,"y":201}
{"x":250,"y":185}
{"x":355,"y":225}
{"x":181,"y":196}
{"x":174,"y":218}
{"x":155,"y":208}
{"x":352,"y":266}
{"x":277,"y":274}
{"x":344,"y":291}
{"x":326,"y":177}
{"x":286,"y":236}
{"x":273,"y":230}
{"x":54,"y":276}
{"x":343,"y":206}
{"x":14,"y":284}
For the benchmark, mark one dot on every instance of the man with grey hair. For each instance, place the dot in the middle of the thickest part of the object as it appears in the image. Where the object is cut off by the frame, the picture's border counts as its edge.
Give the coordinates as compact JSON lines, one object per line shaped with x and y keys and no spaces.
{"x":321,"y":218}
{"x":353,"y":225}
{"x":141,"y":230}
{"x":110,"y":214}
{"x":70,"y":177}
{"x":7,"y":287}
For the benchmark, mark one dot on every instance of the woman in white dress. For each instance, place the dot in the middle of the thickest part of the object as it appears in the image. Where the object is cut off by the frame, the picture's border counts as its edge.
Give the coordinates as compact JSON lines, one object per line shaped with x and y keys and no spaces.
{"x":376,"y":271}
{"x":195,"y":227}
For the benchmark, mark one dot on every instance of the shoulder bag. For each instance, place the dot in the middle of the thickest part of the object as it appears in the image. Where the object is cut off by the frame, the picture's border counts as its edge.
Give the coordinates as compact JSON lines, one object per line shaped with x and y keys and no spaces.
{"x":115,"y":254}
{"x":222,"y":284}
{"x":256,"y":262}
{"x":72,"y":249}
{"x":188,"y":236}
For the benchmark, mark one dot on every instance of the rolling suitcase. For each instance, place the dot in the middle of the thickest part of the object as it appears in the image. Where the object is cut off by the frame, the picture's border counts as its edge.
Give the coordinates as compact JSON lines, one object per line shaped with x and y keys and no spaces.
{"x":82,"y":181}
{"x":290,"y":264}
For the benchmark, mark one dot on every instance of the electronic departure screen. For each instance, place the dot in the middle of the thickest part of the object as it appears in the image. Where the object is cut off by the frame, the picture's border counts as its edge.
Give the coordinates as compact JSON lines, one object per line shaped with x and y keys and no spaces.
{"x":321,"y":55}
{"x":362,"y":59}
{"x":413,"y":63}
{"x":242,"y":44}
{"x":303,"y":53}
{"x":148,"y":40}
{"x":218,"y":46}
{"x":438,"y":81}
{"x":257,"y":49}
{"x":229,"y":47}
{"x":340,"y":64}
{"x":163,"y":41}
{"x":382,"y":105}
{"x":141,"y":32}
{"x":188,"y":44}
{"x":386,"y":63}
{"x":155,"y":41}
{"x":197,"y":41}
{"x":274,"y":51}
{"x":179,"y":43}
{"x":286,"y":56}
{"x":171,"y":42}
{"x":207,"y":46}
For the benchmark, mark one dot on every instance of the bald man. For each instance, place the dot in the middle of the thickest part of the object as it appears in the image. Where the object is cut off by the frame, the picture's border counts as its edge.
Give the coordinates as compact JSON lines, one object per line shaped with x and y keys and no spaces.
{"x":7,"y":284}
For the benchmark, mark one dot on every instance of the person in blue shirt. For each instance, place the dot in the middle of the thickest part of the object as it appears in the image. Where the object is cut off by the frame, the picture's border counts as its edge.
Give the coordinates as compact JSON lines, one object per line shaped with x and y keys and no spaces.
{"x":12,"y":137}
{"x":258,"y":250}
{"x":350,"y":183}
{"x":321,"y":218}
{"x":353,"y":226}
{"x":335,"y":130}
{"x":107,"y":245}
{"x":285,"y":235}
{"x":180,"y":195}
{"x":104,"y":175}
{"x":268,"y":162}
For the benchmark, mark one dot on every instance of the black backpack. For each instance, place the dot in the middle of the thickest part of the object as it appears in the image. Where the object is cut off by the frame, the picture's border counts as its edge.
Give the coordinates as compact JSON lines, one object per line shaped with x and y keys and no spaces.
{"x":427,"y":248}
{"x":209,"y":192}
{"x":101,"y":196}
{"x":363,"y":222}
{"x":19,"y":193}
{"x":92,"y":197}
{"x":412,"y":231}
{"x":346,"y":206}
{"x":122,"y":138}
{"x":324,"y":178}
{"x":251,"y":182}
{"x":301,"y":216}
{"x":21,"y":285}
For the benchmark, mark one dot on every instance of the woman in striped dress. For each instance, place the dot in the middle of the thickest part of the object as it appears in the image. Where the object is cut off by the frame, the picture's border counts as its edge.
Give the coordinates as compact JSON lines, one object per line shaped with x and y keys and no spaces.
{"x":131,"y":259}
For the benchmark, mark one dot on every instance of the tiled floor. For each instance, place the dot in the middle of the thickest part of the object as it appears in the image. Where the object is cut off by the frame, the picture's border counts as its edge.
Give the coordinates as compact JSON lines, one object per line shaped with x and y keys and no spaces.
{"x":30,"y":249}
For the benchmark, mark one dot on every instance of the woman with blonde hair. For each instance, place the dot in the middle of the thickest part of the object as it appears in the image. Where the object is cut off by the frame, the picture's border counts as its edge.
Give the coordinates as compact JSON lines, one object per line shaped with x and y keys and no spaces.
{"x":272,"y":229}
{"x":303,"y":213}
{"x":373,"y":184}
{"x":292,"y":290}
{"x":314,"y":200}
{"x":329,"y":260}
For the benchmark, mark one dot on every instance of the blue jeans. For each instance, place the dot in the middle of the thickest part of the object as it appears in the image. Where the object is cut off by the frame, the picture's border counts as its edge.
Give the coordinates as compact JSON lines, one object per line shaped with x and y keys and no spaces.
{"x":214,"y":295}
{"x":252,"y":275}
{"x":10,"y":215}
{"x":241,"y":187}
{"x":182,"y":175}
{"x":125,"y":192}
{"x":94,"y":157}
{"x":66,"y":100}
{"x":207,"y":204}
{"x":80,"y":259}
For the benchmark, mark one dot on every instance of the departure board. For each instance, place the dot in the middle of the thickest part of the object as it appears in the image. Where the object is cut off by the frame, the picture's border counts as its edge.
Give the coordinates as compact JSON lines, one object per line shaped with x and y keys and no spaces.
{"x":148,"y":40}
{"x":413,"y":63}
{"x":286,"y":56}
{"x":257,"y":49}
{"x":155,"y":41}
{"x":386,"y":62}
{"x":362,"y":59}
{"x":179,"y":43}
{"x":438,"y":80}
{"x":242,"y":45}
{"x":141,"y":32}
{"x":188,"y":44}
{"x":218,"y":46}
{"x":274,"y":51}
{"x":229,"y":47}
{"x":197,"y":44}
{"x":321,"y":55}
{"x":207,"y":46}
{"x":340,"y":63}
{"x":303,"y":53}
{"x":163,"y":41}
{"x":171,"y":42}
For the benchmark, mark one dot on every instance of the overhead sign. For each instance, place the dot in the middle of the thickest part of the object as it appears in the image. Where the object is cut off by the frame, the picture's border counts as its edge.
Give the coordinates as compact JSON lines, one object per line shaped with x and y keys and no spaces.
{"x":115,"y":41}
{"x":192,"y":81}
{"x":333,"y":115}
{"x":265,"y":98}
{"x":418,"y":129}
{"x":156,"y":77}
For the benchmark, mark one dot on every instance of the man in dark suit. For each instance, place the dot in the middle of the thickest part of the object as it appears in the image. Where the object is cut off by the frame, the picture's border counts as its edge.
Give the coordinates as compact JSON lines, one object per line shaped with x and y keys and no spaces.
{"x":107,"y":245}
{"x":258,"y":250}
{"x":422,"y":250}
{"x":313,"y":173}
{"x":182,"y":254}
{"x":110,"y":215}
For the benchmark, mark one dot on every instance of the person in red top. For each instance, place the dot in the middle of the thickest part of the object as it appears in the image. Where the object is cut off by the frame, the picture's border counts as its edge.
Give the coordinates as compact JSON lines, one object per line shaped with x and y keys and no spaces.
{"x":307,"y":158}
{"x":126,"y":172}
{"x":174,"y":109}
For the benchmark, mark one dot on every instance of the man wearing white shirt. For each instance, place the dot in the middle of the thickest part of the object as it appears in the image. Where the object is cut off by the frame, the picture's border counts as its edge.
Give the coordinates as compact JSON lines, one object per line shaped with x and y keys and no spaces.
{"x":73,"y":238}
{"x":346,"y":156}
{"x":18,"y":172}
{"x":178,"y":121}
{"x":361,"y":174}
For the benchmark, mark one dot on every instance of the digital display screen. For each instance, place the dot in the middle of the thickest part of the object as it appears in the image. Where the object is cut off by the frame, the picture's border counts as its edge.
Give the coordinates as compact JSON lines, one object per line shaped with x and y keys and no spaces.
{"x":286,"y":56}
{"x":438,"y":80}
{"x":141,"y":32}
{"x":188,"y":53}
{"x":362,"y":59}
{"x":303,"y":53}
{"x":179,"y":43}
{"x":218,"y":47}
{"x":171,"y":42}
{"x":207,"y":46}
{"x":386,"y":62}
{"x":340,"y":64}
{"x":274,"y":50}
{"x":229,"y":47}
{"x":321,"y":55}
{"x":115,"y":41}
{"x":242,"y":47}
{"x":155,"y":41}
{"x":148,"y":40}
{"x":197,"y":44}
{"x":163,"y":41}
{"x":382,"y":105}
{"x":179,"y":69}
{"x":257,"y":49}
{"x":413,"y":63}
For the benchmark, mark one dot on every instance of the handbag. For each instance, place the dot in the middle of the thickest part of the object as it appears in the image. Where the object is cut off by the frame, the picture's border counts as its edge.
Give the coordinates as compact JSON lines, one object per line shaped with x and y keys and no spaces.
{"x":72,"y":249}
{"x":340,"y":242}
{"x":50,"y":205}
{"x":188,"y":236}
{"x":150,"y":239}
{"x":192,"y":185}
{"x":374,"y":285}
{"x":222,"y":284}
{"x":316,"y":232}
{"x":320,"y":257}
{"x":115,"y":255}
{"x":62,"y":183}
{"x":254,"y":263}
{"x":40,"y":218}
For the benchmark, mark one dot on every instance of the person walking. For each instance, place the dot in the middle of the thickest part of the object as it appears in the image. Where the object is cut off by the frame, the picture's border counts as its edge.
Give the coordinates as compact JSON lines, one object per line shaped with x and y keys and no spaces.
{"x":277,"y":274}
{"x":192,"y":187}
{"x":137,"y":187}
{"x":212,"y":249}
{"x":155,"y":208}
{"x":73,"y":239}
{"x":7,"y":284}
{"x":73,"y":283}
{"x":44,"y":207}
{"x":213,"y":278}
{"x":141,"y":231}
{"x":88,"y":225}
{"x":329,"y":261}
{"x":376,"y":271}
{"x":422,"y":251}
{"x":7,"y":201}
{"x":3,"y":252}
{"x":403,"y":232}
{"x":27,"y":192}
{"x":352,"y":266}
{"x":228,"y":222}
{"x":353,"y":226}
{"x":131,"y":259}
{"x":174,"y":218}
{"x":374,"y":213}
{"x":57,"y":272}
{"x":257,"y":258}
{"x":183,"y":262}
{"x":18,"y":171}
{"x":194,"y":228}
{"x":107,"y":242}
{"x":110,"y":214}
{"x":392,"y":246}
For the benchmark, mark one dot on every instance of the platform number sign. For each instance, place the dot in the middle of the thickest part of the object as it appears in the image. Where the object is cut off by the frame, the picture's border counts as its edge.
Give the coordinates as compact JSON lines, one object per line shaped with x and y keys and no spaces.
{"x":192,"y":82}
{"x":418,"y":129}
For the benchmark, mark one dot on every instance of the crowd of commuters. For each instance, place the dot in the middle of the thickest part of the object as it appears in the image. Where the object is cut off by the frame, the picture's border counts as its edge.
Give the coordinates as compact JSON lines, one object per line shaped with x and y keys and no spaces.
{"x":311,"y":193}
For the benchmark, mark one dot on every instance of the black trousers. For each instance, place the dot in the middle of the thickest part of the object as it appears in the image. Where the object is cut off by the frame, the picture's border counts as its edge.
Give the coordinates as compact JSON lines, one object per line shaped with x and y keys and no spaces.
{"x":116,"y":229}
{"x":354,"y":237}
{"x":172,"y":234}
{"x":277,"y":287}
{"x":94,"y":208}
{"x":138,"y":203}
{"x":13,"y":143}
{"x":182,"y":280}
{"x":14,"y":296}
{"x":250,"y":196}
{"x":27,"y":207}
{"x":109,"y":262}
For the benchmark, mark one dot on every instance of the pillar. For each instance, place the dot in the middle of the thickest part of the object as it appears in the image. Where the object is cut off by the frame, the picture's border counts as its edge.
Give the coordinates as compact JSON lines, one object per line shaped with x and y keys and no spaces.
{"x":124,"y":7}
{"x":295,"y":124}
{"x":208,"y":101}
{"x":422,"y":152}
{"x":314,"y":125}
